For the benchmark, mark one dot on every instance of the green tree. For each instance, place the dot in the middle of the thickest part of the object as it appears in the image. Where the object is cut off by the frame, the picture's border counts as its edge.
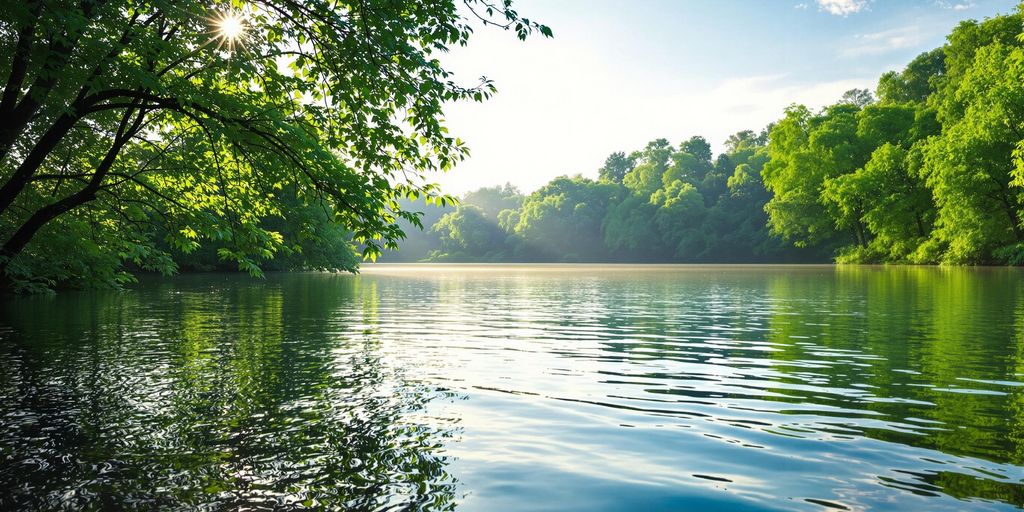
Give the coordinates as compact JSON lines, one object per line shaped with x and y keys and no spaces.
{"x":887,"y":124}
{"x":678,"y":218}
{"x":927,"y":175}
{"x":700,"y":149}
{"x":492,"y":200}
{"x":716,"y":181}
{"x":316,"y":243}
{"x":616,"y":166}
{"x":746,"y":139}
{"x":126,"y":120}
{"x":735,"y":227}
{"x":889,"y":198}
{"x":805,"y":151}
{"x":419,"y":241}
{"x":508,"y":219}
{"x":916,"y":82}
{"x":858,"y":97}
{"x":970,"y":166}
{"x":629,"y":230}
{"x":970,"y":36}
{"x":652,"y":163}
{"x":468,"y":233}
{"x":744,"y":181}
{"x":562,"y":220}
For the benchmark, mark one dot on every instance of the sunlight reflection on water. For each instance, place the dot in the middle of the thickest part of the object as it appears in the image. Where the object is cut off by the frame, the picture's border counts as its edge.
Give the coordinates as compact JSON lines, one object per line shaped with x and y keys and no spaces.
{"x":523,"y":387}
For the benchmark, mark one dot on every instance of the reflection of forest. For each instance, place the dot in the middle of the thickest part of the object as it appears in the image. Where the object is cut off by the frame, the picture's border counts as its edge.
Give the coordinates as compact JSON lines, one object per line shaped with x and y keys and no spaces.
{"x":942,"y":342}
{"x":924,"y":357}
{"x":206,"y":393}
{"x":310,"y":389}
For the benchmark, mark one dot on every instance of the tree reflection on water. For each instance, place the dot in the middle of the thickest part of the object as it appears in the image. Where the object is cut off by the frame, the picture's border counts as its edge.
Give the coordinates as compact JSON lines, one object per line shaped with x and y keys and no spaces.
{"x":208,"y":395}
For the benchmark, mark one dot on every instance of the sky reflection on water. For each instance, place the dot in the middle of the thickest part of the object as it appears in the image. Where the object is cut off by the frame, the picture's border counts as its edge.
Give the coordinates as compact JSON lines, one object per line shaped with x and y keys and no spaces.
{"x":533,"y":387}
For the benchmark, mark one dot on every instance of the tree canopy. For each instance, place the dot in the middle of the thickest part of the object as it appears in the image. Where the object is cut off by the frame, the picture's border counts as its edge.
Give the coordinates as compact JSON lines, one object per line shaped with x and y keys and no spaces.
{"x":136,"y":132}
{"x":276,"y":134}
{"x":670,"y":205}
{"x":928,"y":173}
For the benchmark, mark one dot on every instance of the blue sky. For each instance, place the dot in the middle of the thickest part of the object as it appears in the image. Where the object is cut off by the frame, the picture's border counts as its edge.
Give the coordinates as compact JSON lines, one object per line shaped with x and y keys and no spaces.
{"x":620,"y":73}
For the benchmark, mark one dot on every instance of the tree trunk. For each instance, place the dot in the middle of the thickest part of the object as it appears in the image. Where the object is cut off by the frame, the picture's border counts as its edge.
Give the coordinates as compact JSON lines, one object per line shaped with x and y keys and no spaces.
{"x":1014,"y":217}
{"x":19,"y":61}
{"x":16,"y":119}
{"x":24,"y":234}
{"x":17,"y":242}
{"x":23,"y":174}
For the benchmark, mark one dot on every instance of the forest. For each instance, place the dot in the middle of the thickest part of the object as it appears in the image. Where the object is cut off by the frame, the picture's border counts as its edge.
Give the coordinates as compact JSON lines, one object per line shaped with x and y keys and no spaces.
{"x":658,"y":204}
{"x":133,"y":142}
{"x":928,"y":169}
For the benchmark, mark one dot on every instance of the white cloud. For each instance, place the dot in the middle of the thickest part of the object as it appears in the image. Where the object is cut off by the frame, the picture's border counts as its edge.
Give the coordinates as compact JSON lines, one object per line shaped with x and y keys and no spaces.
{"x":801,"y":6}
{"x":956,"y":6}
{"x":878,"y":43}
{"x":842,"y":7}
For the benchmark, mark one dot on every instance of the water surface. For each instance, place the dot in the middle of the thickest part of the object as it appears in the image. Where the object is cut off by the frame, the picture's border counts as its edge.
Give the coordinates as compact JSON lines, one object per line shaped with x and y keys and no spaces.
{"x":545,"y":387}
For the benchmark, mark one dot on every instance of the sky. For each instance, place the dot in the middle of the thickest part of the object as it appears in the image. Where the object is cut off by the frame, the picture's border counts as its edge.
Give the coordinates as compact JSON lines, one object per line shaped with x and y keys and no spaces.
{"x":620,"y":73}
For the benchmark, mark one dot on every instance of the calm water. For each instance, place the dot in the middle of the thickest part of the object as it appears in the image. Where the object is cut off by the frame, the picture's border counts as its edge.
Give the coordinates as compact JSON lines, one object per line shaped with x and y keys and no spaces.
{"x":530,"y":388}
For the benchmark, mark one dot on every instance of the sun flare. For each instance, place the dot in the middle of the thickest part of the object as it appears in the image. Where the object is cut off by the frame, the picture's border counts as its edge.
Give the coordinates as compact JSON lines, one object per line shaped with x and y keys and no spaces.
{"x":230,"y":28}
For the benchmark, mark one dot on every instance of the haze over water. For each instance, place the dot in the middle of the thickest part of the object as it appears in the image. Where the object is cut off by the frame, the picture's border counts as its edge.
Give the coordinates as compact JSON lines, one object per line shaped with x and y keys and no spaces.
{"x":522,"y":388}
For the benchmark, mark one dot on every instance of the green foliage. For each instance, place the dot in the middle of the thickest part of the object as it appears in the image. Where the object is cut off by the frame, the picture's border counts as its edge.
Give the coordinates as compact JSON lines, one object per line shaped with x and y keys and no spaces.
{"x":508,"y":219}
{"x":629,"y":230}
{"x":141,"y":128}
{"x":698,"y":147}
{"x":653,"y":161}
{"x":858,"y":98}
{"x":680,"y":210}
{"x":970,"y":36}
{"x":616,"y":166}
{"x":129,"y":139}
{"x":419,"y":241}
{"x":493,"y":200}
{"x":562,"y":220}
{"x":932,"y":173}
{"x":467,"y":232}
{"x":916,"y":82}
{"x":745,"y":140}
{"x":310,"y":241}
{"x":886,"y":124}
{"x":970,"y":166}
{"x":802,"y":154}
{"x":693,"y":211}
{"x":889,"y":198}
{"x":743,"y":181}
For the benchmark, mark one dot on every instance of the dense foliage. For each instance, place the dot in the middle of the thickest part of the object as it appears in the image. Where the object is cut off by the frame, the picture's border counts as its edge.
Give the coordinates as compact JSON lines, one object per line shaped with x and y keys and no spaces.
{"x":148,"y":133}
{"x":931,"y":172}
{"x":929,"y":169}
{"x":658,"y":204}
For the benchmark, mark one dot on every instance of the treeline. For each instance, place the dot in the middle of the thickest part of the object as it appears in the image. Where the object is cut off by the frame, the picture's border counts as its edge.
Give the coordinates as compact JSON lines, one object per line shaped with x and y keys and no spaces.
{"x":928,"y":169}
{"x":931,"y":172}
{"x":658,"y":204}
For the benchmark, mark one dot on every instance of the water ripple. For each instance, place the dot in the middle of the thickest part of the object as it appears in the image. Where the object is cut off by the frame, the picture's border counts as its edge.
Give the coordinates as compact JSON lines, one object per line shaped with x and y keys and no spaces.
{"x":535,"y":387}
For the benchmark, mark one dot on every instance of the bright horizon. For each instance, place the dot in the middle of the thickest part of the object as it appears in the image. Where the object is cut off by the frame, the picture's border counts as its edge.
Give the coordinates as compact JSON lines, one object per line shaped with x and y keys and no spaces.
{"x":612,"y":79}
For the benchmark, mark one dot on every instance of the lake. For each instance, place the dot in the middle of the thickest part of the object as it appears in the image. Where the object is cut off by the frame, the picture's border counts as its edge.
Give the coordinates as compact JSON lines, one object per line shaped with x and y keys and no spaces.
{"x":531,"y":387}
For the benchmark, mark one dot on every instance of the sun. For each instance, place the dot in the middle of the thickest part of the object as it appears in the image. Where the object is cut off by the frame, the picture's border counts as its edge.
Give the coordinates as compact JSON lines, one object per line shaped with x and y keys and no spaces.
{"x":230,"y":28}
